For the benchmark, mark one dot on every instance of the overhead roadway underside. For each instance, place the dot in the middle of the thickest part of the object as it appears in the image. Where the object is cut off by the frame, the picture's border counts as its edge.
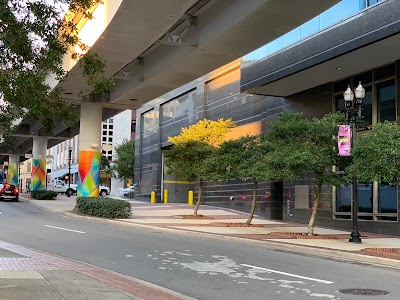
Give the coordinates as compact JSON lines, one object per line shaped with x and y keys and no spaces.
{"x":152,"y":47}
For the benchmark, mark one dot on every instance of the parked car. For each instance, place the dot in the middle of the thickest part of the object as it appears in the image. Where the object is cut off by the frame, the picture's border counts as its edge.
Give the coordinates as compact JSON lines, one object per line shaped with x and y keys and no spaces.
{"x":129,"y":189}
{"x":60,"y":186}
{"x":9,"y":191}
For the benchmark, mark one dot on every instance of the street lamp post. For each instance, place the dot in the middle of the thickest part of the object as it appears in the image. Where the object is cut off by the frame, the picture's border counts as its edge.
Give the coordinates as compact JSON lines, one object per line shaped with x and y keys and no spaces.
{"x":69,"y":171}
{"x":353,"y":115}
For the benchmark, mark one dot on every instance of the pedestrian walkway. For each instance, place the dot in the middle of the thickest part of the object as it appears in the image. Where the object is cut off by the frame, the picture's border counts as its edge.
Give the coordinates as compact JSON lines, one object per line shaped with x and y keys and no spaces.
{"x":375,"y":248}
{"x":34,"y":275}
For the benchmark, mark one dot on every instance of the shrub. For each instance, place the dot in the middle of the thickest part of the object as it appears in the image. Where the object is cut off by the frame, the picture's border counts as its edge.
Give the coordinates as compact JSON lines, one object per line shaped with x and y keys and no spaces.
{"x":44,"y":195}
{"x":103,"y":207}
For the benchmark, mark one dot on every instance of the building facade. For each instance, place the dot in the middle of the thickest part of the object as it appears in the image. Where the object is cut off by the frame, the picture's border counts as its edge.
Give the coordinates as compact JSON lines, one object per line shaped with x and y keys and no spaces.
{"x":306,"y":70}
{"x":113,"y":132}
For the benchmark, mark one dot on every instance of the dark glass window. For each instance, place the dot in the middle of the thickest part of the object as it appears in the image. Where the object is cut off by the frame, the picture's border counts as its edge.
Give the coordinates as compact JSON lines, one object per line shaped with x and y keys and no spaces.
{"x":385,"y":72}
{"x":386,"y":93}
{"x":365,"y":78}
{"x":110,"y":121}
{"x":341,"y":85}
{"x":104,"y":139}
{"x":387,"y":202}
{"x":365,"y":197}
{"x":104,"y":132}
{"x":339,"y":103}
{"x":110,"y":139}
{"x":343,"y":198}
{"x":104,"y":126}
{"x":367,"y":106}
{"x":110,"y":132}
{"x":111,"y":127}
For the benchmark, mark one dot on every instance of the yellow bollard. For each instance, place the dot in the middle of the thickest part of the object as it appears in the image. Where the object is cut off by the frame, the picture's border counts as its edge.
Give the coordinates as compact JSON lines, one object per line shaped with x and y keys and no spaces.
{"x":190,"y":198}
{"x":165,"y":196}
{"x":153,"y":197}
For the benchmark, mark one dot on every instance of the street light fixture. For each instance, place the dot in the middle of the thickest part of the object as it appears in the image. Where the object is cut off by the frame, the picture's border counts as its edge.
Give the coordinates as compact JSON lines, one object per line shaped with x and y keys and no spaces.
{"x":353,"y":115}
{"x":69,"y":171}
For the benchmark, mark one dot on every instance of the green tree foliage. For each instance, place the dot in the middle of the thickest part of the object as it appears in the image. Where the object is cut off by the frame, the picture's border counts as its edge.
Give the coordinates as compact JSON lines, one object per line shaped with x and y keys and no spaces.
{"x":240,"y":159}
{"x":305,"y":149}
{"x":34,"y":37}
{"x":105,"y":164}
{"x":377,"y":154}
{"x":186,"y":160}
{"x":124,"y":163}
{"x":196,"y":143}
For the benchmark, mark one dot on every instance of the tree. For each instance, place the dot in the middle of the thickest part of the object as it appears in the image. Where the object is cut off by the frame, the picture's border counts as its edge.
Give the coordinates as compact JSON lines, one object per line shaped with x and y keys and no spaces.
{"x":240,"y":159}
{"x":34,"y":37}
{"x":305,"y":149}
{"x":124,"y":163}
{"x":377,"y":154}
{"x":105,"y":165}
{"x":192,"y":147}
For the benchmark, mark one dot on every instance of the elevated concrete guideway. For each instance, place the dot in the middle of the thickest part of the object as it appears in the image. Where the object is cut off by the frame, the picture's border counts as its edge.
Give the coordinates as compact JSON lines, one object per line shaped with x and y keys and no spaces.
{"x":152,"y":47}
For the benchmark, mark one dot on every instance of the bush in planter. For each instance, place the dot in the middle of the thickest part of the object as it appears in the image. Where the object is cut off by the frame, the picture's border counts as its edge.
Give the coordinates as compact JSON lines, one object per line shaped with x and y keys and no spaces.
{"x":103,"y":207}
{"x":44,"y":195}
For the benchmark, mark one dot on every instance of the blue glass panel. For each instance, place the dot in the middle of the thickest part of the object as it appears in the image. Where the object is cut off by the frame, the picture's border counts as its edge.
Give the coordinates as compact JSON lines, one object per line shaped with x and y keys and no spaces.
{"x":343,"y":198}
{"x":310,"y":27}
{"x":275,"y":45}
{"x":387,"y":198}
{"x":351,"y":7}
{"x":261,"y":52}
{"x":292,"y":37}
{"x":371,"y":2}
{"x":331,"y":16}
{"x":365,"y":199}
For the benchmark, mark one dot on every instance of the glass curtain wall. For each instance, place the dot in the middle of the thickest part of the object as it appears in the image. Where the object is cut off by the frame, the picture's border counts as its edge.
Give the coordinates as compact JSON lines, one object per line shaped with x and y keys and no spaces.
{"x":377,"y":200}
{"x":333,"y":15}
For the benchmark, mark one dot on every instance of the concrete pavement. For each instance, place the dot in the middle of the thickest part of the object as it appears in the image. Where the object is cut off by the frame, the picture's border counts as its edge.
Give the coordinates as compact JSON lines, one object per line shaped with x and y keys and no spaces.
{"x":225,"y":223}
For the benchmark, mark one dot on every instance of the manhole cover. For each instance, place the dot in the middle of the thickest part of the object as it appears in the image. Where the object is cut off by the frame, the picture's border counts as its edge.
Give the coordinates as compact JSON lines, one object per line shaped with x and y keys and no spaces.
{"x":365,"y":292}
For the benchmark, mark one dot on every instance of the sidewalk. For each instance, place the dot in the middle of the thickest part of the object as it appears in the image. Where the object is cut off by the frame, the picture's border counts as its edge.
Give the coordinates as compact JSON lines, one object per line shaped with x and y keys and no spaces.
{"x":35,"y":275}
{"x":374,"y":249}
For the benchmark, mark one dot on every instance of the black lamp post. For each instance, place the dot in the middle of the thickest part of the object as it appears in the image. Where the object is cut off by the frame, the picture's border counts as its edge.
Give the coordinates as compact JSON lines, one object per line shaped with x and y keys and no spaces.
{"x":353,"y":115}
{"x":69,"y":171}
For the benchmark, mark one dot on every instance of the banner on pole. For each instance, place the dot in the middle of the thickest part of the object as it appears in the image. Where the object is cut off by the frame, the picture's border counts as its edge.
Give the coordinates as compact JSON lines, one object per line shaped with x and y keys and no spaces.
{"x":344,"y":140}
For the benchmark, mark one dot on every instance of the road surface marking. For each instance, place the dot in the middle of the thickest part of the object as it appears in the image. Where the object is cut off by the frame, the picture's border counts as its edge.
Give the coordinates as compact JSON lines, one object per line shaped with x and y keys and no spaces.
{"x":64,"y":229}
{"x":288,"y":274}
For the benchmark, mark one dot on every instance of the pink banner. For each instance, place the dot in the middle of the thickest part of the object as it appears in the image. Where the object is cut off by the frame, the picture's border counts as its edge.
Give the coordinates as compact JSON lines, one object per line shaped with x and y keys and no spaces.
{"x":344,"y":140}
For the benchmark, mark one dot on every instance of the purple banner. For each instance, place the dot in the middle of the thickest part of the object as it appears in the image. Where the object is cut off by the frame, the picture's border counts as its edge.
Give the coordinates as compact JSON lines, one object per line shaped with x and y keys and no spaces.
{"x":344,"y":140}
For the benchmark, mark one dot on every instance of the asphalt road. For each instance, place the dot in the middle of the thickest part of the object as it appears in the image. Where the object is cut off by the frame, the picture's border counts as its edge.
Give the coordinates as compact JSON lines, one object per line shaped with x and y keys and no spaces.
{"x":193,"y":265}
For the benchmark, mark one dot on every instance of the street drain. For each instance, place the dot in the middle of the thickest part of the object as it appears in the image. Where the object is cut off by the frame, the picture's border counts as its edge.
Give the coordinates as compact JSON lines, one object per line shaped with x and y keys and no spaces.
{"x":364,"y":292}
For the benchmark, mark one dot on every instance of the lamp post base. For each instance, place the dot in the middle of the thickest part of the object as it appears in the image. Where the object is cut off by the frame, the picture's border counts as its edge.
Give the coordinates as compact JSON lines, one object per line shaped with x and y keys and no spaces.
{"x":355,"y":236}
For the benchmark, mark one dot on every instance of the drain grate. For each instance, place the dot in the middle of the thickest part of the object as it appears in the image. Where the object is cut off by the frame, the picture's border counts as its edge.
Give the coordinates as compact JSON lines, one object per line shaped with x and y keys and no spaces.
{"x":364,"y":292}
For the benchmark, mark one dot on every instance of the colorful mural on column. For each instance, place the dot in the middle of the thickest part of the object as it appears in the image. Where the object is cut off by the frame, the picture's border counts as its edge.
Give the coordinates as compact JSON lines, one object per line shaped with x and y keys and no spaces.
{"x":12,"y":175}
{"x":89,"y":173}
{"x":38,"y":175}
{"x":1,"y":174}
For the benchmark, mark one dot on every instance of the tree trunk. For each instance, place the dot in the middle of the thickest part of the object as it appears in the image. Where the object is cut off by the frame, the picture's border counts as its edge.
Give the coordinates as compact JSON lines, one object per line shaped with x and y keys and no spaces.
{"x":199,"y":196}
{"x":317,"y":197}
{"x":253,"y":204}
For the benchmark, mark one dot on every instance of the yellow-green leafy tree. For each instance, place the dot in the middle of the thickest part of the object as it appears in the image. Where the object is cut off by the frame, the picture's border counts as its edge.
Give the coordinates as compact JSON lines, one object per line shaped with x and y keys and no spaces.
{"x":192,"y":147}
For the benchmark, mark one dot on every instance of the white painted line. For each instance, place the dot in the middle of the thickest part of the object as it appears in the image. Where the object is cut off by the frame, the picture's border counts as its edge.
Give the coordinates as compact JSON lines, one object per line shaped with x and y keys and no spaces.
{"x":288,"y":274}
{"x":64,"y":229}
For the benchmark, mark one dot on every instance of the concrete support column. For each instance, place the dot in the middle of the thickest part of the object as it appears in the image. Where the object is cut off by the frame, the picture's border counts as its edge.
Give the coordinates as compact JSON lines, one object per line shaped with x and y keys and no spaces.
{"x":89,"y":149}
{"x":12,"y":174}
{"x":38,"y":171}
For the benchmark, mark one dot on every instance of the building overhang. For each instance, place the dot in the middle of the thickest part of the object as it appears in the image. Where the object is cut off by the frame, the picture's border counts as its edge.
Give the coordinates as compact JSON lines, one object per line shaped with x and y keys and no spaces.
{"x":349,"y":48}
